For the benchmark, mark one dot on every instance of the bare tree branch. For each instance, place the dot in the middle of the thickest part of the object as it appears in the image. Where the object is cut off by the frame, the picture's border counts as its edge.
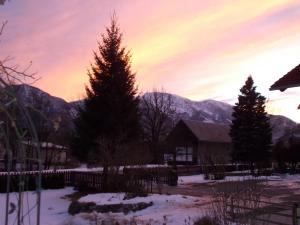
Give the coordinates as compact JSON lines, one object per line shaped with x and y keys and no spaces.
{"x":2,"y":26}
{"x":12,"y":73}
{"x":158,"y":113}
{"x":13,"y":132}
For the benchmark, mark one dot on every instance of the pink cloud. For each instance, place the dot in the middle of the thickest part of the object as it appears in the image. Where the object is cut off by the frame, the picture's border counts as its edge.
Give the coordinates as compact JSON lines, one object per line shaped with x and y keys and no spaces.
{"x":199,"y":49}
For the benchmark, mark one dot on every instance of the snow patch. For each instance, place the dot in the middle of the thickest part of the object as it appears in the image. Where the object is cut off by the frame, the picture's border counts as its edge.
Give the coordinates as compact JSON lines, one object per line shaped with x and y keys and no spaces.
{"x":54,"y":207}
{"x":169,"y":209}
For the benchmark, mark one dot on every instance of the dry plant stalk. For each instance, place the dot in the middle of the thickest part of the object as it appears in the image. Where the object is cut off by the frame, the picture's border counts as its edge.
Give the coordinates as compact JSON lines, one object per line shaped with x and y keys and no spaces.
{"x":13,"y":135}
{"x":237,"y":201}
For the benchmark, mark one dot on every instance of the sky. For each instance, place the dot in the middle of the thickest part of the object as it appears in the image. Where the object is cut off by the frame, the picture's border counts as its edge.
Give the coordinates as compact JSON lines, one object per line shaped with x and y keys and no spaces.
{"x":193,"y":48}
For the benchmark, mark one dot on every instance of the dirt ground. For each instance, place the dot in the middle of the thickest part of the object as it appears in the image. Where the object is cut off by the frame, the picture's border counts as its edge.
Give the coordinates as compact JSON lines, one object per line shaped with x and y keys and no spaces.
{"x":281,"y":191}
{"x":277,"y":192}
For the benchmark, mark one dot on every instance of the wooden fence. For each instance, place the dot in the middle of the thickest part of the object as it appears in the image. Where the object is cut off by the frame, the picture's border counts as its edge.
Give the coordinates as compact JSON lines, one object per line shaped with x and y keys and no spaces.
{"x":91,"y":181}
{"x":28,"y":180}
{"x":197,"y":169}
{"x":127,"y":178}
{"x":268,"y":213}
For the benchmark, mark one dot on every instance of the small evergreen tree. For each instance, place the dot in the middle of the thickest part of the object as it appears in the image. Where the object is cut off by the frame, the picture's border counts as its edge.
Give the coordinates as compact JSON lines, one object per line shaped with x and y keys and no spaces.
{"x":250,"y":130}
{"x":110,"y":113}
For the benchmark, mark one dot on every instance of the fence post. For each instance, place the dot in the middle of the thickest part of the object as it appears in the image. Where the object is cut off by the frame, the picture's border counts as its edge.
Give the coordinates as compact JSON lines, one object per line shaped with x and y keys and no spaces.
{"x":295,"y":219}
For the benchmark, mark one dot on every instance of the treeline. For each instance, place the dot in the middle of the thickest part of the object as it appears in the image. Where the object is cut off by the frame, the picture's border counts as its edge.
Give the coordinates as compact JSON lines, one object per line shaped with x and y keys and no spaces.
{"x":286,"y":153}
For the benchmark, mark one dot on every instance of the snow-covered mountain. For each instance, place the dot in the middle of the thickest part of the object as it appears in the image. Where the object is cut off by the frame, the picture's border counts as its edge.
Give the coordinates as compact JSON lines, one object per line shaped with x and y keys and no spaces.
{"x":207,"y":110}
{"x":53,"y":108}
{"x":35,"y":97}
{"x":282,"y":127}
{"x":220,"y":112}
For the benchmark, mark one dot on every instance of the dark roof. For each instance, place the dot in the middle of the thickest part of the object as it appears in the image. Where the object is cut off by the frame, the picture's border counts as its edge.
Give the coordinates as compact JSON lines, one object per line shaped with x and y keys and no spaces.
{"x":291,"y":79}
{"x":210,"y":132}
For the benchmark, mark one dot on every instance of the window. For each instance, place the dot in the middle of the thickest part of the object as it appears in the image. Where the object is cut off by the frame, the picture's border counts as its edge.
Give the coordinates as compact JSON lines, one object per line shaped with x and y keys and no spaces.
{"x":168,"y":157}
{"x":184,"y":154}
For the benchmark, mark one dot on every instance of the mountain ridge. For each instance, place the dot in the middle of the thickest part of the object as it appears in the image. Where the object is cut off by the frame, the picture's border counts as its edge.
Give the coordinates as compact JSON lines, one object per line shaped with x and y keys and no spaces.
{"x":206,"y":110}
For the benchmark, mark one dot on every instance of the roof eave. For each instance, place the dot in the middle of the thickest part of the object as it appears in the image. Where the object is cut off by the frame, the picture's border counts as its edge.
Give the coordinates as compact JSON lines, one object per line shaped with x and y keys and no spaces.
{"x":284,"y":87}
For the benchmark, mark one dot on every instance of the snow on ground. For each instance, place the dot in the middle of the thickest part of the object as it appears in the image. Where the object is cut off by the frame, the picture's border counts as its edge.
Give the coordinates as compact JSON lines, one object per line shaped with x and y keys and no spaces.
{"x":84,"y":167}
{"x":199,"y":179}
{"x":168,"y":209}
{"x":277,"y":177}
{"x":288,"y":177}
{"x":193,"y":179}
{"x":54,"y":208}
{"x":250,"y":177}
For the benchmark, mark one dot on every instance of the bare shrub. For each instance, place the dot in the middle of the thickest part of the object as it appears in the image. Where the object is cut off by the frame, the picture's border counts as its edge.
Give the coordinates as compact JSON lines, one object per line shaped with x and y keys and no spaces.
{"x":122,"y":165}
{"x":213,"y":162}
{"x":16,"y":128}
{"x":106,"y":219}
{"x":237,"y":201}
{"x":135,"y":185}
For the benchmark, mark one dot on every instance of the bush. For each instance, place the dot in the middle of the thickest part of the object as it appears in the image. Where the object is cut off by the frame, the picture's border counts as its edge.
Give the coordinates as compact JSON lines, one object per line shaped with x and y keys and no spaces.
{"x":219,"y":175}
{"x":74,"y":208}
{"x":88,"y":207}
{"x":132,"y":195}
{"x":214,"y":172}
{"x":173,"y":181}
{"x":206,"y":221}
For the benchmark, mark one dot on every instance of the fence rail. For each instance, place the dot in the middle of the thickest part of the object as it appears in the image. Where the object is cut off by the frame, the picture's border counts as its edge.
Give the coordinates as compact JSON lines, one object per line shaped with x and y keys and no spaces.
{"x":95,"y":181}
{"x":226,"y":169}
{"x":266,"y":213}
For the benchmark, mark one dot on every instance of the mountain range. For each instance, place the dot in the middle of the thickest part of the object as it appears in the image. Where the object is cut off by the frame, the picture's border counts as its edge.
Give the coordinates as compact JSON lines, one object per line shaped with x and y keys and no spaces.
{"x":207,"y":110}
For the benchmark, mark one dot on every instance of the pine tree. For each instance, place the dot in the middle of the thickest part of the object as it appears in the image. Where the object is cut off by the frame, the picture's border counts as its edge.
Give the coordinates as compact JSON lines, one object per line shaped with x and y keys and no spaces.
{"x":110,"y":110}
{"x":250,"y":130}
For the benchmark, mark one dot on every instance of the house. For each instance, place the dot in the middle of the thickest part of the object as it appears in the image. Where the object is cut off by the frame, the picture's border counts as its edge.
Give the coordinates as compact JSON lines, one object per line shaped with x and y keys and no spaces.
{"x":195,"y":142}
{"x":52,"y":156}
{"x":290,"y":80}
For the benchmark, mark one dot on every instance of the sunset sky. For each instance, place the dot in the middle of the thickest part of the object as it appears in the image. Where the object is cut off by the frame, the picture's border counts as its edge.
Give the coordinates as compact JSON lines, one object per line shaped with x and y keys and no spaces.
{"x":195,"y":49}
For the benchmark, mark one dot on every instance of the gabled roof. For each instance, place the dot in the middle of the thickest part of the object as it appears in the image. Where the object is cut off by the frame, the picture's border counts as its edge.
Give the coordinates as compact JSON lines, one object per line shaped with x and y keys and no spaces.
{"x":209,"y":132}
{"x":291,"y":79}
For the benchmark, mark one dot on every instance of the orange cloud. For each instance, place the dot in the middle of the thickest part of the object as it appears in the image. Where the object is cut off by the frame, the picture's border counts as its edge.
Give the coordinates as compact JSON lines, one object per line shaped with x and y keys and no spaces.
{"x":198,"y":49}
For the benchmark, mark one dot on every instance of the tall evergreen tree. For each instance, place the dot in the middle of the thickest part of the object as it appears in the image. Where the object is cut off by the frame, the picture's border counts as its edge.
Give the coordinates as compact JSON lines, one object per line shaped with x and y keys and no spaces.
{"x":110,"y":110}
{"x":250,"y":130}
